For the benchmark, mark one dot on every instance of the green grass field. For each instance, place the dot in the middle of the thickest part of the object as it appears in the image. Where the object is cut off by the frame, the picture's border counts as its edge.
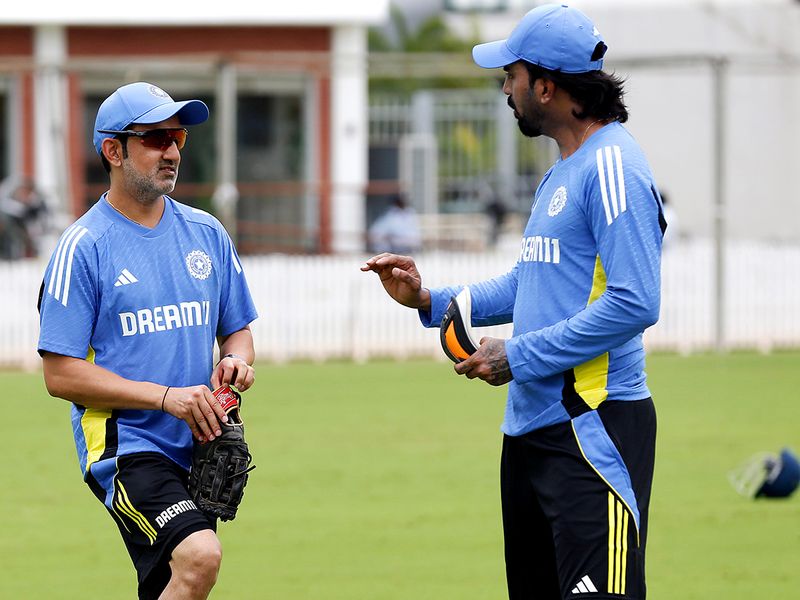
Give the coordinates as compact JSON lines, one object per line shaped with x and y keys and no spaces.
{"x":380,"y":481}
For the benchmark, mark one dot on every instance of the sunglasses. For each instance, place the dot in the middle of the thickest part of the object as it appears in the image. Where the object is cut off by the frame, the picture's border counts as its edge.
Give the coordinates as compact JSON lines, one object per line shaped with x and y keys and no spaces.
{"x":155,"y":138}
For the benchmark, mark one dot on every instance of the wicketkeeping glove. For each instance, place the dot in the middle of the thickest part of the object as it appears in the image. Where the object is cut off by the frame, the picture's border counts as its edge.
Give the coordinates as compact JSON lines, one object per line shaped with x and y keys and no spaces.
{"x":220,"y":467}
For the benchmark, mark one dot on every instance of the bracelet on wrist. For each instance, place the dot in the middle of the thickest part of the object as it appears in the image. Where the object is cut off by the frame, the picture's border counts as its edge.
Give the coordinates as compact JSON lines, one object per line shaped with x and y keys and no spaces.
{"x":164,"y":397}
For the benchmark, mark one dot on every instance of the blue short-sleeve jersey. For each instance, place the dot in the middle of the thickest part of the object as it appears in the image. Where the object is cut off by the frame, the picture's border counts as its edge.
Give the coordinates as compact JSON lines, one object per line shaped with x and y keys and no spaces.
{"x":148,"y":305}
{"x":584,"y":288}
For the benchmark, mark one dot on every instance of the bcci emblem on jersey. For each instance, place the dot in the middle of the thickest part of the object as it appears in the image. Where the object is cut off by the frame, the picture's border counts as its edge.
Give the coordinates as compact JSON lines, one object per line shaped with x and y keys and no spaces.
{"x":557,"y":202}
{"x":199,"y":264}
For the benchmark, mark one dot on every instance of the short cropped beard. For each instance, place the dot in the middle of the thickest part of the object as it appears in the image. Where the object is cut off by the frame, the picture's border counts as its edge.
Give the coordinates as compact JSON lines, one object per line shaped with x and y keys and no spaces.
{"x":146,"y":189}
{"x":526,"y":125}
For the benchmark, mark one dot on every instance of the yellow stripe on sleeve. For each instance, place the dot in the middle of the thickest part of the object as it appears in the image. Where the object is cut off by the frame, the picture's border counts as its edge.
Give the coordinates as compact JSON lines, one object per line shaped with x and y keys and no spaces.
{"x":591,"y":378}
{"x":599,"y":281}
{"x":591,"y":381}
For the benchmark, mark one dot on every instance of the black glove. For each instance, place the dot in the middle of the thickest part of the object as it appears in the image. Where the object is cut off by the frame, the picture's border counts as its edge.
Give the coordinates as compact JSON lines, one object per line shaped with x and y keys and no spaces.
{"x":220,"y":467}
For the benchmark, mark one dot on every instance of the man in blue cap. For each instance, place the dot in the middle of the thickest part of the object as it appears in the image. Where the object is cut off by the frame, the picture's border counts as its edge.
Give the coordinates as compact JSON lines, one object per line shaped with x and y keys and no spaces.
{"x":134,"y":298}
{"x":579,"y":428}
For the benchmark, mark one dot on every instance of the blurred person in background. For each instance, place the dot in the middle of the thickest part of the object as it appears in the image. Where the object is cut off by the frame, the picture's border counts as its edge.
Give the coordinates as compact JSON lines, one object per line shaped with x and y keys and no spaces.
{"x":396,"y":230}
{"x":23,"y":218}
{"x":580,"y":425}
{"x":136,"y":294}
{"x":496,"y":211}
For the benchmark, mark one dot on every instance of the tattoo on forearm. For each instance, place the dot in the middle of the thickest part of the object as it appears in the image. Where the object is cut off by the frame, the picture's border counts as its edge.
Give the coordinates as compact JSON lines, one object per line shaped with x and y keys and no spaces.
{"x":498,"y":363}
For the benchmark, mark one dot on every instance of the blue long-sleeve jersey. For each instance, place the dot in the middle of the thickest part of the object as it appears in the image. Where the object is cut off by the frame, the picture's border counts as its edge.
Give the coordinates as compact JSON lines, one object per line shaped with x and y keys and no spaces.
{"x":584,"y":288}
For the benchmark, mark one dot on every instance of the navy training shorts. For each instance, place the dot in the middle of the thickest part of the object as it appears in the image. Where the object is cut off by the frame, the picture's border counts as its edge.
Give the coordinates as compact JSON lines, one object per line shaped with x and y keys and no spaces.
{"x":575,"y":502}
{"x":151,"y":505}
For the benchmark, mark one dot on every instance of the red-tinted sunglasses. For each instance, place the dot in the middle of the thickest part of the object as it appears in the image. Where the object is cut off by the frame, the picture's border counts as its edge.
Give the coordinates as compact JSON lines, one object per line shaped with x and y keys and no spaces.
{"x":155,"y":138}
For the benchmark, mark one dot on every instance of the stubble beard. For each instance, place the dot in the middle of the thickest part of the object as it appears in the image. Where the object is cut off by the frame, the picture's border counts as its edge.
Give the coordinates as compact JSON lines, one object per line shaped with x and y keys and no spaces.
{"x":147,"y":188}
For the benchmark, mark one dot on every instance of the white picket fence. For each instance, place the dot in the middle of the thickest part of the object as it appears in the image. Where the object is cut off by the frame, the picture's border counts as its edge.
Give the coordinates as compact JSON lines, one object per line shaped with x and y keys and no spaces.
{"x":323,"y":307}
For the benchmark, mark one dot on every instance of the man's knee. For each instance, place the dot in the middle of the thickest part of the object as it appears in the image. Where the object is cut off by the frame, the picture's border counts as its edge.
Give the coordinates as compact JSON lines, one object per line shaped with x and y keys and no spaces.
{"x":196,"y":560}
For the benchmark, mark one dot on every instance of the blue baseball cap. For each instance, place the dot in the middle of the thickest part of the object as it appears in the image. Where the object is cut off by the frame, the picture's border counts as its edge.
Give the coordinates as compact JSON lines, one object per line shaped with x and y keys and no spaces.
{"x":553,"y":36}
{"x":143,"y":103}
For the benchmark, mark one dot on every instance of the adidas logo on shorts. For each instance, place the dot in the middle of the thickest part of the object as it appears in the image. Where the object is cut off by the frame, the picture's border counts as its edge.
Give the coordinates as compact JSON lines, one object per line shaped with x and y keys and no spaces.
{"x":585,"y":586}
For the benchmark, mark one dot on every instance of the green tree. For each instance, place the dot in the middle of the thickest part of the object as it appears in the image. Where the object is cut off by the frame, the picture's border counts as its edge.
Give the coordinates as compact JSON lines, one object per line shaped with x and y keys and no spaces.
{"x":424,"y":58}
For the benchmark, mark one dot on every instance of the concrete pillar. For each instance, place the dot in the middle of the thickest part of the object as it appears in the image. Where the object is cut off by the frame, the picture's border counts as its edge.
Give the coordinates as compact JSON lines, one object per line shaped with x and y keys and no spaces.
{"x":349,"y":137}
{"x":51,"y":155}
{"x":226,"y":195}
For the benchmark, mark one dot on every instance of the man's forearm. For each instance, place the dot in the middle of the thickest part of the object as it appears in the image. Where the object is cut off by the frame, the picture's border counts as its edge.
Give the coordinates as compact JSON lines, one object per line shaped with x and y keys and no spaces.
{"x":240,"y":344}
{"x":88,"y":384}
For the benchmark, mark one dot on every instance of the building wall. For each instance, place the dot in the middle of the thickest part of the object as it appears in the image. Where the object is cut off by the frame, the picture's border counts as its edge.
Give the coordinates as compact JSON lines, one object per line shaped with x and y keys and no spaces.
{"x":663,"y":49}
{"x":161,"y":41}
{"x":673,"y":108}
{"x":276,"y":49}
{"x":16,"y":41}
{"x":117,"y":54}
